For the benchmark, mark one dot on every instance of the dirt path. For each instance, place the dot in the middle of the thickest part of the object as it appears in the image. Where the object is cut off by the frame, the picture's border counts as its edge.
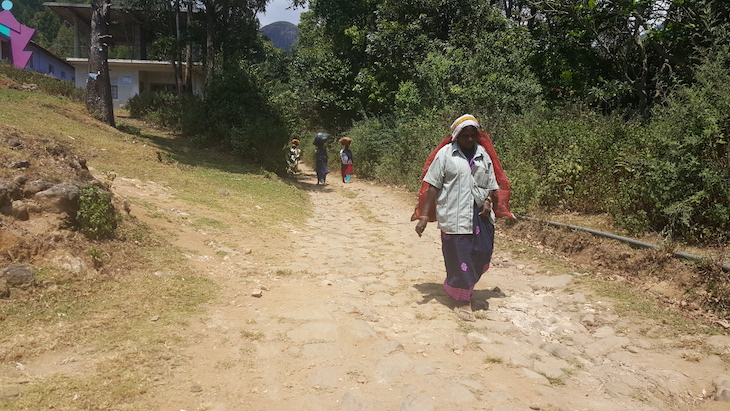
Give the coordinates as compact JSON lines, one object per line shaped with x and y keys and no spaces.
{"x":352,"y":316}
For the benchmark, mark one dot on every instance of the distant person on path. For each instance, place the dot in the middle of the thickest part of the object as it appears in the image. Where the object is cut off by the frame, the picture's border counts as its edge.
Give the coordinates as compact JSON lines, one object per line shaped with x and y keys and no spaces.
{"x":460,"y":187}
{"x":346,"y":156}
{"x":321,"y":158}
{"x":293,"y":157}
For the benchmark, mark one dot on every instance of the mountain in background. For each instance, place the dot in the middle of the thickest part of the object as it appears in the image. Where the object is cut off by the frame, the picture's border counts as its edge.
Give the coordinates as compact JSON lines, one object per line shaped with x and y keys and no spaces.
{"x":282,"y":33}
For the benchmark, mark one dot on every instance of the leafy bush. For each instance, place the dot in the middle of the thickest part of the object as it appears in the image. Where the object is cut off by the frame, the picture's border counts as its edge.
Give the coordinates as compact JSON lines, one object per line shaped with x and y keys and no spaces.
{"x":162,"y":107}
{"x":96,"y":217}
{"x":392,"y":150}
{"x":565,"y":159}
{"x":238,"y":112}
{"x":680,"y":179}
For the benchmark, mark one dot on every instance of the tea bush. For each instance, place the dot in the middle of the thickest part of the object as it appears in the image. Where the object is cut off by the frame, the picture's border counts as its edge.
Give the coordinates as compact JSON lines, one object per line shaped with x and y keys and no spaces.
{"x":96,"y":217}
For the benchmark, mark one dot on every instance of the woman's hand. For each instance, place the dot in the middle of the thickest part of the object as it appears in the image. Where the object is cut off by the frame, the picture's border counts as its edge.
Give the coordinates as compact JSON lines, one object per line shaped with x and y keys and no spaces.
{"x":487,"y":207}
{"x":421,"y":225}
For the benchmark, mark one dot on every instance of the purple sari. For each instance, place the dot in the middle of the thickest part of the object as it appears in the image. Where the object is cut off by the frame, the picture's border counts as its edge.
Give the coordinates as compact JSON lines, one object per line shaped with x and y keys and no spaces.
{"x":467,"y":257}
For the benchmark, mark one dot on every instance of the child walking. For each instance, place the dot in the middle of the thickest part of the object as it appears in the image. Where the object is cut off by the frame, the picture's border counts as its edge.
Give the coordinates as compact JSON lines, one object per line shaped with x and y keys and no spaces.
{"x":346,"y":156}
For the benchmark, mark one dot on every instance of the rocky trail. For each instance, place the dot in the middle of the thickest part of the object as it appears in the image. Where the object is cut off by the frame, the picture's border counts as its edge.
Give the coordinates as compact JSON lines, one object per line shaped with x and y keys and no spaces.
{"x":349,"y":314}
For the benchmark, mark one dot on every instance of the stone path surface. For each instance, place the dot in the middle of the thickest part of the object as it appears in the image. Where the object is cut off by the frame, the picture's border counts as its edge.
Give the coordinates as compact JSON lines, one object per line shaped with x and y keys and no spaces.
{"x":349,"y":314}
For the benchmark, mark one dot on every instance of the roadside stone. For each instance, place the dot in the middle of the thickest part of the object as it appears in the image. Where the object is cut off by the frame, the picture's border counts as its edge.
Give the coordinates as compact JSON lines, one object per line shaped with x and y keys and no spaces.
{"x":477,"y":337}
{"x":69,"y":263}
{"x":459,"y":394}
{"x":418,"y":402}
{"x":61,"y":198}
{"x":535,"y":377}
{"x":20,"y":164}
{"x":603,"y":346}
{"x":559,"y":350}
{"x":722,"y":388}
{"x":7,"y":392}
{"x":8,"y":192}
{"x":588,"y":319}
{"x":720,"y":343}
{"x":4,"y":288}
{"x":391,"y":367}
{"x":603,"y":332}
{"x":18,"y":275}
{"x":20,"y":211}
{"x":550,"y":367}
{"x":617,"y":389}
{"x":553,"y":282}
{"x":352,"y":403}
{"x":423,"y":369}
{"x":323,"y":377}
{"x":388,"y":348}
{"x":550,"y":301}
{"x":362,"y":330}
{"x":369,"y":314}
{"x":314,"y":331}
{"x":318,"y":350}
{"x":474,"y":385}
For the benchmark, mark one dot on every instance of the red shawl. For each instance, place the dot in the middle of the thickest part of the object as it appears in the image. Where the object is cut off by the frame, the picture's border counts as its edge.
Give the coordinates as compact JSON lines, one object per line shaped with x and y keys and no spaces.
{"x":501,"y":209}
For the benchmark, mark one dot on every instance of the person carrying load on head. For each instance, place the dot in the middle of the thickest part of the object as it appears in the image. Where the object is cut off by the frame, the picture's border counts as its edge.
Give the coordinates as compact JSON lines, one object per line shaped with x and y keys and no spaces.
{"x":321,"y":158}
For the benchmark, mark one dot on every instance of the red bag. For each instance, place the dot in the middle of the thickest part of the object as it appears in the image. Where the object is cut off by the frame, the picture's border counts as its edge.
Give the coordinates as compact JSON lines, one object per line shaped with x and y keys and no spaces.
{"x":501,"y":209}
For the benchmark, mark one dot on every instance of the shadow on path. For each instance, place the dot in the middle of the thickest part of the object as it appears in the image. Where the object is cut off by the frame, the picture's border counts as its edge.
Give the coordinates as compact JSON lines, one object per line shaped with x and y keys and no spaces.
{"x":479,"y":298}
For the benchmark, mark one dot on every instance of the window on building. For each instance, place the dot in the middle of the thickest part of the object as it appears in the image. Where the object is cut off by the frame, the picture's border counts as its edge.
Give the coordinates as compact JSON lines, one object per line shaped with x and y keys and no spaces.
{"x":63,"y":75}
{"x":50,"y":69}
{"x":115,"y":92}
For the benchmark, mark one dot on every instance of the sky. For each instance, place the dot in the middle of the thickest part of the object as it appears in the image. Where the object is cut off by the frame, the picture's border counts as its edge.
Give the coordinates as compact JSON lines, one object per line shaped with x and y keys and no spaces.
{"x":276,"y":11}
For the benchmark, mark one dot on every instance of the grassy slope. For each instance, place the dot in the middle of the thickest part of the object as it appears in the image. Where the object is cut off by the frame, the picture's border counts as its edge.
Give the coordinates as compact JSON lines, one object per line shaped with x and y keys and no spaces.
{"x":107,"y":316}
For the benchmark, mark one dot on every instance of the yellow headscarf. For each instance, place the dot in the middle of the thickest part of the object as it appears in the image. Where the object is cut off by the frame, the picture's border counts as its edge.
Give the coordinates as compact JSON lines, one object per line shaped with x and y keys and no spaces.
{"x":460,"y":123}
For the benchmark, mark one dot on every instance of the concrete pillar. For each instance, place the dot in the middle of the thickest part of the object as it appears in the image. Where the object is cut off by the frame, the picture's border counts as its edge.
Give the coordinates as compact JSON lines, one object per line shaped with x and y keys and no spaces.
{"x":77,"y":39}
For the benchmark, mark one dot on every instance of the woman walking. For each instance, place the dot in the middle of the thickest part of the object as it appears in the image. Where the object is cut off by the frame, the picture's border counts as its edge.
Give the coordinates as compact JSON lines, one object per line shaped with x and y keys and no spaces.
{"x":321,"y":158}
{"x":459,"y":190}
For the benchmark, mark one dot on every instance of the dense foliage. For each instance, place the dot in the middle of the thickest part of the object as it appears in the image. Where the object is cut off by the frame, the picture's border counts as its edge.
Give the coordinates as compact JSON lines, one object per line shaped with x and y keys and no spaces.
{"x":595,"y":106}
{"x":615,"y":107}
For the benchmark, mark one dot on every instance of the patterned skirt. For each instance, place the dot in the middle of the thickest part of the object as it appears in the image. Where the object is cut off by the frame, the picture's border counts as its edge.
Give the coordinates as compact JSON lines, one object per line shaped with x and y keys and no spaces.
{"x":467,"y":257}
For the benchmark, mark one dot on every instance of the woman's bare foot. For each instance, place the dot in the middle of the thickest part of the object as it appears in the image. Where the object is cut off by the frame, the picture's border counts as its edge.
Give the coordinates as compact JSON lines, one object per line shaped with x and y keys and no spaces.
{"x":464,"y":311}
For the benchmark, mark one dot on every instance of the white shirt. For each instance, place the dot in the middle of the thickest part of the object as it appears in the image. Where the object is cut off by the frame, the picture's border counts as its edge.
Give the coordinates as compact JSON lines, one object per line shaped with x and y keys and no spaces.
{"x":460,"y":186}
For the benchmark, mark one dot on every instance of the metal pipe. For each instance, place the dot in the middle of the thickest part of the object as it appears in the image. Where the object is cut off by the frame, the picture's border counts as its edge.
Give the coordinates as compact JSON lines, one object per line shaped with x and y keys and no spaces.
{"x":637,"y":243}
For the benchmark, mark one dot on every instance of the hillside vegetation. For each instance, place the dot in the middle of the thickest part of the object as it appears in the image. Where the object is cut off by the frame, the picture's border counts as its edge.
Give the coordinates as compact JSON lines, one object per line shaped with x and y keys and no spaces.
{"x":98,"y":295}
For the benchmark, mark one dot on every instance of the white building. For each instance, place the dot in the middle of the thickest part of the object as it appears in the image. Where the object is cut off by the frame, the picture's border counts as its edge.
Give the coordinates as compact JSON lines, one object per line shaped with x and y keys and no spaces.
{"x":128,"y":77}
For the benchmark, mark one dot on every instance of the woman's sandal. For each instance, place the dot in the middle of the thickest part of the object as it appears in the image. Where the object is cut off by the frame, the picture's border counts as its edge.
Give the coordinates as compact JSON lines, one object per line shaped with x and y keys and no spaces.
{"x":465,"y":315}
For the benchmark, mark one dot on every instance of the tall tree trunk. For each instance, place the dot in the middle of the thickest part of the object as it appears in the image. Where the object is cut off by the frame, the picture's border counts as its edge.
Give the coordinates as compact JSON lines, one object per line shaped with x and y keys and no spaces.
{"x":177,"y":59}
{"x":209,"y":47}
{"x":189,"y":51}
{"x":98,"y":86}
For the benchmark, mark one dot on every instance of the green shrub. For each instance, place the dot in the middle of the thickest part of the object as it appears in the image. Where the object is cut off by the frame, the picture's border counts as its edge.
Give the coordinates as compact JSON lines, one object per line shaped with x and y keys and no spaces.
{"x":162,"y":107}
{"x":96,"y":217}
{"x":392,"y":150}
{"x":238,"y":112}
{"x":678,"y":174}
